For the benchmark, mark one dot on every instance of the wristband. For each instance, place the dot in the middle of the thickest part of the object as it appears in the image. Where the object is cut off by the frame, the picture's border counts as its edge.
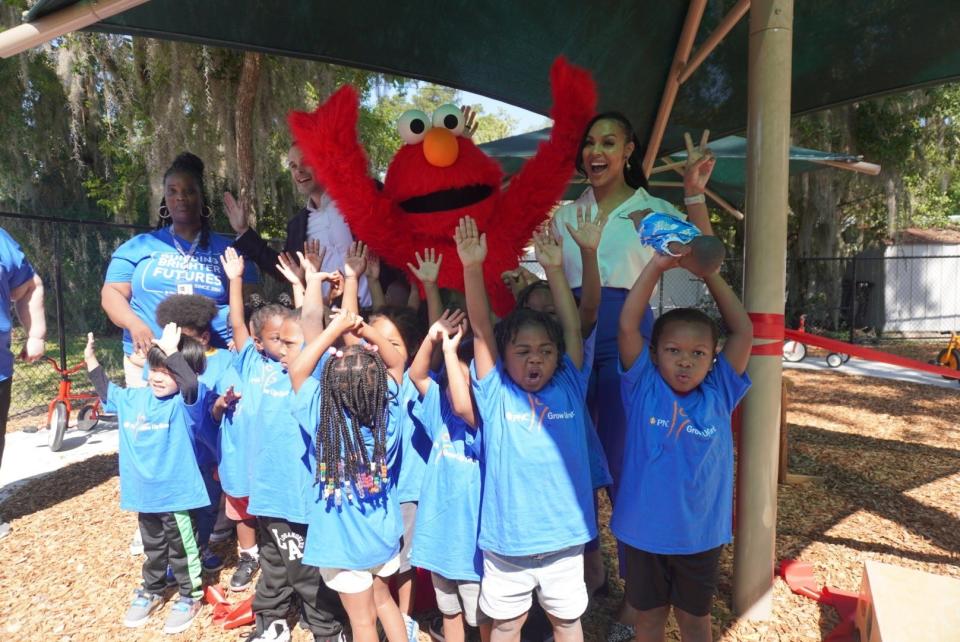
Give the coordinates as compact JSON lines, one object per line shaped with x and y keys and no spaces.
{"x":693,"y":200}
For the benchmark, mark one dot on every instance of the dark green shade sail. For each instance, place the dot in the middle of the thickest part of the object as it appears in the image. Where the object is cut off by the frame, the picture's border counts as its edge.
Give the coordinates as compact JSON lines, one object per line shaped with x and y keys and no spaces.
{"x":843,"y":49}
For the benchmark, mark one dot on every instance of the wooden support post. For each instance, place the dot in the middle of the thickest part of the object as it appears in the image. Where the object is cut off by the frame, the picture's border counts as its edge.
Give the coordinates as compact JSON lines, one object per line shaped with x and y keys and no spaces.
{"x":716,"y":36}
{"x":768,"y":149}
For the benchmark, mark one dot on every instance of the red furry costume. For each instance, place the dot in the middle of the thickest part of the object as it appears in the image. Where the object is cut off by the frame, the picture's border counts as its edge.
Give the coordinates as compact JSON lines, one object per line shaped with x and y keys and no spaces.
{"x":421,"y":202}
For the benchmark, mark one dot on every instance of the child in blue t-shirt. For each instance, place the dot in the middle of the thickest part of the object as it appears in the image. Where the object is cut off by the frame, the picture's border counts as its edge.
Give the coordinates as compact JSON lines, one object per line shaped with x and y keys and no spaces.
{"x":675,"y":503}
{"x":537,"y":509}
{"x":193,"y":314}
{"x":159,"y":474}
{"x":267,"y":462}
{"x":448,"y":517}
{"x":349,"y":401}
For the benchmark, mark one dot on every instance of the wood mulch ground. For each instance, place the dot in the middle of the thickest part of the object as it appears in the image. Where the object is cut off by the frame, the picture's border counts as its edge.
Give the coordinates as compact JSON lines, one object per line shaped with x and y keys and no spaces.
{"x":889,"y":489}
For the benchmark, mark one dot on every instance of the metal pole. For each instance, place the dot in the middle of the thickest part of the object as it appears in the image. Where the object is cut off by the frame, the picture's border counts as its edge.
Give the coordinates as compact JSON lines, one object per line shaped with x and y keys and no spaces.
{"x":768,"y":136}
{"x":853,"y":298}
{"x":58,"y":284}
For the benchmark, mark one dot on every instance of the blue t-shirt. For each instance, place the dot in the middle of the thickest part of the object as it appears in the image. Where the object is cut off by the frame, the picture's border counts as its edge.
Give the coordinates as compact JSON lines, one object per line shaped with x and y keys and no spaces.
{"x":15,"y":270}
{"x":415,"y":445}
{"x":158,"y":467}
{"x":361,"y":533}
{"x":237,"y":424}
{"x":448,"y":517}
{"x":281,"y":460}
{"x":537,"y":491}
{"x":155,"y":269}
{"x":676,"y":493}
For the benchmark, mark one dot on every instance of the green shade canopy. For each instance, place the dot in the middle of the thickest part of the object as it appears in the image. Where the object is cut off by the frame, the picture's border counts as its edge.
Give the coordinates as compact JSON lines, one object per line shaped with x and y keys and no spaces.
{"x":843,"y":51}
{"x":729,"y":178}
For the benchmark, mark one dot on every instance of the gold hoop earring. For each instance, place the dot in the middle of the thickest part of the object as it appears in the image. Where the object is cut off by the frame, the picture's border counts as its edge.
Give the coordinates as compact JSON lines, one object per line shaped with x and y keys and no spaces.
{"x":164,"y":212}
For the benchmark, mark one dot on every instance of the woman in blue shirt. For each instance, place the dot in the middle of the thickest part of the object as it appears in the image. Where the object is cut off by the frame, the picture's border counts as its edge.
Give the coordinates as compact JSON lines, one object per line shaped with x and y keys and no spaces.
{"x":182,"y":256}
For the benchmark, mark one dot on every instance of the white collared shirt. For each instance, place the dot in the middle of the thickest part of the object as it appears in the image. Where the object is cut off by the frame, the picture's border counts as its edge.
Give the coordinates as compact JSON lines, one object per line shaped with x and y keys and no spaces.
{"x":620,"y":255}
{"x":326,"y":224}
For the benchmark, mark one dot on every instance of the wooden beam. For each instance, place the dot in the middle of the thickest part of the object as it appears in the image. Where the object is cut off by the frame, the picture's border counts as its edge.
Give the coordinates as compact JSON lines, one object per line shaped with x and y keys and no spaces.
{"x":871,"y":169}
{"x":716,"y":198}
{"x":690,"y":26}
{"x":729,"y":21}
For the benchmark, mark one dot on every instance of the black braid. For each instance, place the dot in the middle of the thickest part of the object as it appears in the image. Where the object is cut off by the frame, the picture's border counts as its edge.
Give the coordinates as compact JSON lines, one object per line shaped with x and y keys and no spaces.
{"x":353,"y":387}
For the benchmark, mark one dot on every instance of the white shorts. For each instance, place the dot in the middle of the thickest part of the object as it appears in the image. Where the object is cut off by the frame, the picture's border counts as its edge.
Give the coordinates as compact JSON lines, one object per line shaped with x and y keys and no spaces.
{"x":347,"y":581}
{"x":557,"y":577}
{"x":459,"y":596}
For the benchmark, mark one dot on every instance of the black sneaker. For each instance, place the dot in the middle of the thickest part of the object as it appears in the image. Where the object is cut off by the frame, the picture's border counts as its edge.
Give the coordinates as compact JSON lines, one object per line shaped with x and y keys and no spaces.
{"x":247,"y":569}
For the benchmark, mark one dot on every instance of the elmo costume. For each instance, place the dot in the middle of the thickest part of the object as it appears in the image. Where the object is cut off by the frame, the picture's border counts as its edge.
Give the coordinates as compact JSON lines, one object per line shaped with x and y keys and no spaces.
{"x":439,"y":176}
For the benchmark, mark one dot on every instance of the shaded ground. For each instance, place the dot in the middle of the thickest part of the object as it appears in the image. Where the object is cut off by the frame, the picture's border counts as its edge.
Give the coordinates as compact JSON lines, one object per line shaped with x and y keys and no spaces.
{"x":886,"y":453}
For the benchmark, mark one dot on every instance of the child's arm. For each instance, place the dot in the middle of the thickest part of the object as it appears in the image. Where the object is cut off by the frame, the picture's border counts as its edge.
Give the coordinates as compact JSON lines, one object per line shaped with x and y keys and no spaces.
{"x":287,"y":267}
{"x":182,"y":373}
{"x":420,"y":367}
{"x":309,"y":357}
{"x":313,"y":313}
{"x":457,"y":380}
{"x":354,"y":266}
{"x":587,"y":237}
{"x":696,"y":174}
{"x":472,"y":249}
{"x":233,"y":268}
{"x":739,"y":326}
{"x":427,"y":271}
{"x":549,"y":253}
{"x":377,"y":297}
{"x":629,"y":338}
{"x":413,"y":296}
{"x":96,"y":374}
{"x":223,"y":403}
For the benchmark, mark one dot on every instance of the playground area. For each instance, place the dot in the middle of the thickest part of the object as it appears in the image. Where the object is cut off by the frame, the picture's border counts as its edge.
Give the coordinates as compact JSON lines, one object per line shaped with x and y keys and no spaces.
{"x":885,"y":487}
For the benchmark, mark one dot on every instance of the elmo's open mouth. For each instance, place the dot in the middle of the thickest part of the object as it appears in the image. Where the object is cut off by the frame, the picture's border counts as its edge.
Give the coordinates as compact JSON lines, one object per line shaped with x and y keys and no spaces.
{"x":446,"y":200}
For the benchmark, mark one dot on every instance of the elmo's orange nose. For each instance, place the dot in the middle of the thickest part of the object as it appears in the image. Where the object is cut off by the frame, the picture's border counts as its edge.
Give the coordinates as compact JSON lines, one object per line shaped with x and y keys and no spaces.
{"x":440,"y":147}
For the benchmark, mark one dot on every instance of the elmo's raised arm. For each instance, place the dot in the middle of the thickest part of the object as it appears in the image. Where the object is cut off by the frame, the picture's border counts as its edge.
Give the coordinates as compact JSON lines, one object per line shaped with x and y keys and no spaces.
{"x":329,"y":141}
{"x":541,"y":182}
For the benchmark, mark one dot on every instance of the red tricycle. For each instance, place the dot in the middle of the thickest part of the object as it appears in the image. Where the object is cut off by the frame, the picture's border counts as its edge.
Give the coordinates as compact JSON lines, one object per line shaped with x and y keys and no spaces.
{"x":58,"y":414}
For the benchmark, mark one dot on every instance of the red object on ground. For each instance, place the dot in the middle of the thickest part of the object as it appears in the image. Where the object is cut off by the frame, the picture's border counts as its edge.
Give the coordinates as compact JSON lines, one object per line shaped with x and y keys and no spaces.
{"x":241,"y":615}
{"x":799,"y":577}
{"x":229,"y":615}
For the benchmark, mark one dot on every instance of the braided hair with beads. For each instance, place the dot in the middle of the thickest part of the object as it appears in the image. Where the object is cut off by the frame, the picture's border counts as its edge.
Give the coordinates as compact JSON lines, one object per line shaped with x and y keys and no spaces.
{"x":354,"y":396}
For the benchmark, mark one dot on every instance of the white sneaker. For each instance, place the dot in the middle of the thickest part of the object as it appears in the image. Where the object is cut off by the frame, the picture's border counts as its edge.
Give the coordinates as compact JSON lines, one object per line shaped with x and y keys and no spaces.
{"x":413,"y":627}
{"x":276,"y":631}
{"x":4,"y":529}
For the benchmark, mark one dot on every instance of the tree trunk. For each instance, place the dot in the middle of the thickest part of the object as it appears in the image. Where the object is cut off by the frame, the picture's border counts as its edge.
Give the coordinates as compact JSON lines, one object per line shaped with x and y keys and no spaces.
{"x":243,"y":123}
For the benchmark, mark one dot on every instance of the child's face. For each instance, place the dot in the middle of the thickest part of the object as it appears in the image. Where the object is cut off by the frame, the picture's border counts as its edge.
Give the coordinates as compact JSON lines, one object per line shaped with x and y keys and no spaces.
{"x":684,"y":354}
{"x":162,"y":382}
{"x":531,"y":358}
{"x":541,"y":300}
{"x":270,"y":341}
{"x":291,"y":335}
{"x":385,"y":326}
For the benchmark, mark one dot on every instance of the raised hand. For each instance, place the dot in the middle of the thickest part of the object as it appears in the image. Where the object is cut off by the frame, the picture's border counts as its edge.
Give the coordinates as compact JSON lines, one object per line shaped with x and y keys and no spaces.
{"x":235,"y":214}
{"x":89,"y":352}
{"x":469,"y":121}
{"x":314,"y":253}
{"x":471,"y":245}
{"x":446,"y":325}
{"x":373,"y":266}
{"x":343,"y":321}
{"x":356,"y":261}
{"x":699,"y":166}
{"x":548,"y":249}
{"x":169,"y":341}
{"x":232,"y":263}
{"x":452,"y":341}
{"x":589,"y":228}
{"x":288,"y":267}
{"x":428,"y":266}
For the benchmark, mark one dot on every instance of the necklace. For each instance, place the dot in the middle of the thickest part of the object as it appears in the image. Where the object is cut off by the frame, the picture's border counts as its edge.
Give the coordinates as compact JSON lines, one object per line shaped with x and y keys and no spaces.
{"x":185,"y":254}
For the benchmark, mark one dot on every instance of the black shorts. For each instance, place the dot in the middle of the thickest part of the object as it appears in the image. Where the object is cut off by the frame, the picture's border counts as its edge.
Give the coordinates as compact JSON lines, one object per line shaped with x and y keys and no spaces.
{"x":688,"y":582}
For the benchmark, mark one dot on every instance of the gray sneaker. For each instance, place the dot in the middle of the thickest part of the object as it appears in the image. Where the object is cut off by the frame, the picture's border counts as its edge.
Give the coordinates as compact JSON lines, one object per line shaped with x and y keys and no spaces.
{"x":143,"y":605}
{"x":4,"y":528}
{"x":182,"y":614}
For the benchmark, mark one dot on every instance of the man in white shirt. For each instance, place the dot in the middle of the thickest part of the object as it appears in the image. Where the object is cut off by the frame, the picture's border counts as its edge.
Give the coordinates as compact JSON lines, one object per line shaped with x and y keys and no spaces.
{"x":319,"y":219}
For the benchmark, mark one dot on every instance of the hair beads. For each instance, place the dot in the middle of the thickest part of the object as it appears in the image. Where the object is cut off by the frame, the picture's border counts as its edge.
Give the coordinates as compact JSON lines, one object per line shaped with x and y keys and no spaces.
{"x":353,"y":396}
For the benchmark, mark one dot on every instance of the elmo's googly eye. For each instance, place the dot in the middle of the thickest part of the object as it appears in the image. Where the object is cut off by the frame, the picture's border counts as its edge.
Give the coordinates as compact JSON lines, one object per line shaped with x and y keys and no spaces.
{"x":450,"y":118}
{"x":413,"y":126}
